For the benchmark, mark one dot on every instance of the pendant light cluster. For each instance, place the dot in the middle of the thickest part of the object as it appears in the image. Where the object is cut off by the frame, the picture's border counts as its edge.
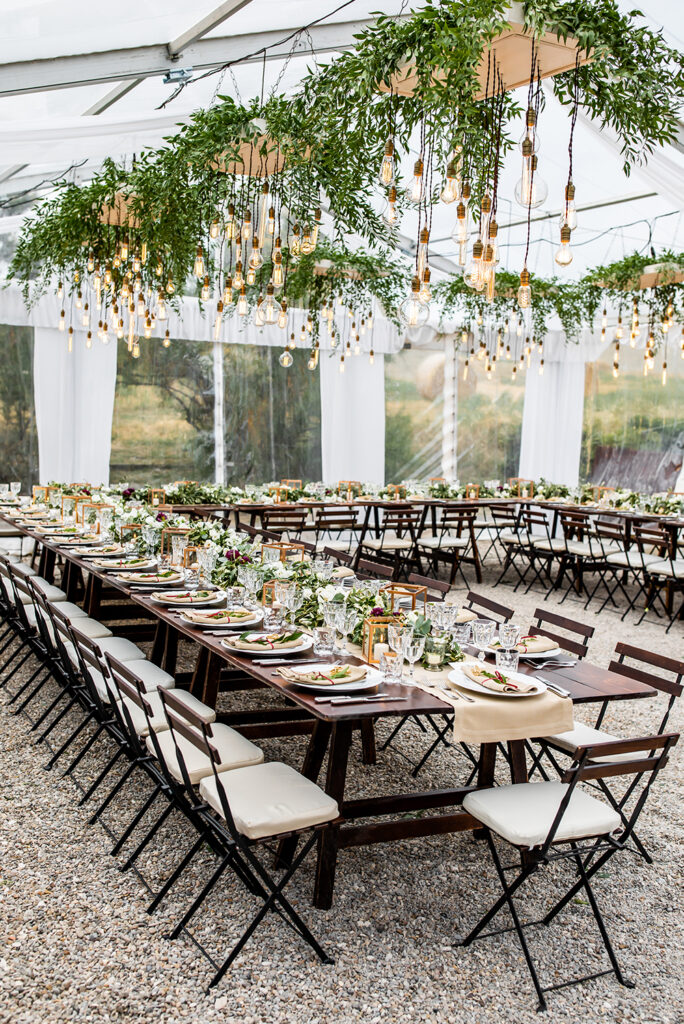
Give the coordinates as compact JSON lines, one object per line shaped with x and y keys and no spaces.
{"x":502,"y":344}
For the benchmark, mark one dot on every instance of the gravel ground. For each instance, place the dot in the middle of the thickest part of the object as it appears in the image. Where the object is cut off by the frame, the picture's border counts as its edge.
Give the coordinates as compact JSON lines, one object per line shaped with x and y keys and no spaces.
{"x":77,"y":945}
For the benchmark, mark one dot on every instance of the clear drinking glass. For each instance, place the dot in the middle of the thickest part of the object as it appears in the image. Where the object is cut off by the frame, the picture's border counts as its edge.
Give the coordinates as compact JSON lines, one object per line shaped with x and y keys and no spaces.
{"x":413,"y":651}
{"x":273,"y":617}
{"x":179,"y":543}
{"x":507,"y":660}
{"x":508,"y":635}
{"x":15,"y":487}
{"x":391,"y":666}
{"x":347,"y":624}
{"x":483,"y":634}
{"x":4,"y":490}
{"x":435,"y":613}
{"x":398,"y":637}
{"x":460,"y":633}
{"x":236,"y":596}
{"x":282,"y":589}
{"x":324,"y":641}
{"x":295,"y":600}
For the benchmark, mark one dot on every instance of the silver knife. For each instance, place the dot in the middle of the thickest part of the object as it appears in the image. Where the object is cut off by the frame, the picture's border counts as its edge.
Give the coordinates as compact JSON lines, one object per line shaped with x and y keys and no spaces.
{"x":554,"y":687}
{"x":363,"y":700}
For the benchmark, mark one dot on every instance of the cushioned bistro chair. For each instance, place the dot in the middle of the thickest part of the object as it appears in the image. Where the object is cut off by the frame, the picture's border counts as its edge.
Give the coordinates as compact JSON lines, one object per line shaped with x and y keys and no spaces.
{"x":246,"y":807}
{"x":397,"y":543}
{"x":665,"y":675}
{"x":555,"y":821}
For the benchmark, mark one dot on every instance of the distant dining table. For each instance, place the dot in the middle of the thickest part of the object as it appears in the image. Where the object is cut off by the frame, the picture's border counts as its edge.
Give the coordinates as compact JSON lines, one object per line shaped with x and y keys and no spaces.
{"x":364,"y":820}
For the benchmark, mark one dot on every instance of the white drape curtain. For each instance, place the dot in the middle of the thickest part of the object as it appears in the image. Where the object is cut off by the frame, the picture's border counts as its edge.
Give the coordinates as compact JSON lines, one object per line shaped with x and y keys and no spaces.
{"x":553,"y":413}
{"x":74,"y":399}
{"x":353,"y":419}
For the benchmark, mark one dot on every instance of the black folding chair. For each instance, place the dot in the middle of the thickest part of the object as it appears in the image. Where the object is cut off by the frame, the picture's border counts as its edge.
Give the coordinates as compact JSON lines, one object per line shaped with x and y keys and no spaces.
{"x":550,"y":822}
{"x":242,"y":809}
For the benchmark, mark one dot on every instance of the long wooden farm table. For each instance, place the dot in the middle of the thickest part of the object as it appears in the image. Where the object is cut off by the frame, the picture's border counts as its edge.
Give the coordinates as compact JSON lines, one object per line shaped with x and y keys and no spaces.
{"x":330,"y":728}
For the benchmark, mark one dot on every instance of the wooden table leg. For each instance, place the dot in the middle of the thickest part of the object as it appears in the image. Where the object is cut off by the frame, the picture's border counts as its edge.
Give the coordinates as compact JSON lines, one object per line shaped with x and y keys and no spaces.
{"x":485,"y":774}
{"x":368,"y":741}
{"x":518,"y":760}
{"x":328,"y":844}
{"x":93,"y":596}
{"x":159,"y":642}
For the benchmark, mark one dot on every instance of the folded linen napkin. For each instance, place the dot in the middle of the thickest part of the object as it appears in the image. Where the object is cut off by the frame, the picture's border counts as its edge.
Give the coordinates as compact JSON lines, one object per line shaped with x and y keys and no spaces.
{"x":150,"y":577}
{"x":535,"y":644}
{"x":465,"y":615}
{"x":221,"y":616}
{"x":187,"y":597}
{"x":342,"y":572}
{"x":331,"y":675}
{"x":265,"y":642}
{"x":494,"y":680}
{"x":119,"y":563}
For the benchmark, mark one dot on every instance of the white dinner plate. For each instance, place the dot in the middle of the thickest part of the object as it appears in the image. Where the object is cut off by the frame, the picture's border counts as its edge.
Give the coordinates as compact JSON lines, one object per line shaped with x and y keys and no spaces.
{"x":537,"y":656}
{"x":229,"y":627}
{"x":306,"y":643}
{"x":169,"y":583}
{"x":116,"y":564}
{"x":171,"y":596}
{"x":458,"y":677}
{"x":372,"y":680}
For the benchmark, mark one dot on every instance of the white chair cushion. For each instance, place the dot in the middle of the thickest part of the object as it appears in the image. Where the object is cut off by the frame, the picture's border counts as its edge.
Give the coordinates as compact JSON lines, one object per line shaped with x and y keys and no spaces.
{"x":31,"y":615}
{"x":155,"y":678}
{"x":72,"y":611}
{"x":270,"y":799}
{"x":100,"y":686}
{"x":548,"y":543}
{"x":511,"y":537}
{"x":11,"y":545}
{"x":583,"y":548}
{"x":235,"y":751}
{"x":667,"y":568}
{"x":523,"y":813}
{"x":446,"y":542}
{"x":91,"y":628}
{"x":24,"y":569}
{"x":335,"y":545}
{"x":120,"y":648}
{"x":49,"y":590}
{"x":8,"y":530}
{"x":631,"y":559}
{"x":388,"y":543}
{"x":159,"y":721}
{"x":583,"y":736}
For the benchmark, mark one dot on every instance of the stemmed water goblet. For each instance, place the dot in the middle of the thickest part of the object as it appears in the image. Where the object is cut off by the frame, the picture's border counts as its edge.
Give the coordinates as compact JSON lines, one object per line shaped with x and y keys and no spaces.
{"x":413,"y":651}
{"x":347,"y":620}
{"x":249,"y":578}
{"x":15,"y":488}
{"x":483,"y":634}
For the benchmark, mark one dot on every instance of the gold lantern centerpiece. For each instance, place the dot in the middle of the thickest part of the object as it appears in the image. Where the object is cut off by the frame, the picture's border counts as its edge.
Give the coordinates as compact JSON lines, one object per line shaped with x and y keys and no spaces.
{"x":283,"y":551}
{"x":400,"y":592}
{"x":374,"y":633}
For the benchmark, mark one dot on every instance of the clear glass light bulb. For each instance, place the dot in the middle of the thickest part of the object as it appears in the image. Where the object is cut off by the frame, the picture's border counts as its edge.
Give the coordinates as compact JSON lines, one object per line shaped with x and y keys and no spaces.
{"x":386,"y":176}
{"x":524,"y":291}
{"x":270,"y":308}
{"x":167,"y":340}
{"x":564,"y":254}
{"x":531,"y":190}
{"x":568,"y":215}
{"x":418,"y":183}
{"x":199,"y":263}
{"x":214,"y":229}
{"x":285,"y":358}
{"x":451,"y":190}
{"x":389,"y":213}
{"x":413,"y":312}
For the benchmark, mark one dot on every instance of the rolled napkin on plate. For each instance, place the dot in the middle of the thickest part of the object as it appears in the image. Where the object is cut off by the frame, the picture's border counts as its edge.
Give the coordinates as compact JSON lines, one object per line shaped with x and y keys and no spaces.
{"x":342,"y":572}
{"x":496,"y":681}
{"x":121,"y":563}
{"x":221,"y":617}
{"x":186,"y":597}
{"x":535,"y":645}
{"x":465,"y":615}
{"x":264,"y":641}
{"x":330,"y":676}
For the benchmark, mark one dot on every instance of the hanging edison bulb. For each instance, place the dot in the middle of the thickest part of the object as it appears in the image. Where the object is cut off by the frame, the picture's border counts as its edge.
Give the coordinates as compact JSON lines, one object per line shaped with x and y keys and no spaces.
{"x":460,"y":233}
{"x":148,"y":328}
{"x":230,"y":227}
{"x":228,"y":292}
{"x":371,"y":357}
{"x":524,"y":291}
{"x":390,"y":214}
{"x":311,"y":364}
{"x":295,"y":245}
{"x":285,"y":358}
{"x":170,"y":288}
{"x":486,"y":213}
{"x":159,"y":269}
{"x":425,"y":289}
{"x":247,"y":226}
{"x":412,"y":311}
{"x":199,"y":263}
{"x":85,"y":320}
{"x":530,"y":190}
{"x":489,"y":272}
{"x":161,"y":306}
{"x":60,"y":291}
{"x":568,"y":217}
{"x":564,"y":254}
{"x":238,"y":279}
{"x":214,"y":229}
{"x":282,"y":316}
{"x":259,"y":312}
{"x":473,"y":273}
{"x":271,"y":308}
{"x":423,"y":247}
{"x":277,"y":275}
{"x":451,"y":189}
{"x":256,"y":259}
{"x":242,"y":306}
{"x":491,"y":240}
{"x":618,"y":330}
{"x":307,"y":244}
{"x":417,"y":191}
{"x":206,"y":289}
{"x":218,"y":320}
{"x":386,"y":176}
{"x":292,"y":344}
{"x":167,"y":339}
{"x":61,"y":323}
{"x":270,"y":223}
{"x":251,"y":276}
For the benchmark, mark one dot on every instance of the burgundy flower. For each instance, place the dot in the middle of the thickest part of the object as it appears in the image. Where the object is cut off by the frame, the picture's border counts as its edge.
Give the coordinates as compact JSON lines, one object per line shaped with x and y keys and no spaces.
{"x":161,"y":517}
{"x":126,"y":494}
{"x":377,"y":611}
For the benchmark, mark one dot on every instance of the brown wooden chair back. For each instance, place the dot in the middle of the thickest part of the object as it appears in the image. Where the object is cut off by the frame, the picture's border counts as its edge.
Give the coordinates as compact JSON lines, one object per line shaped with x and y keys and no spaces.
{"x":493,"y":610}
{"x":548,"y":622}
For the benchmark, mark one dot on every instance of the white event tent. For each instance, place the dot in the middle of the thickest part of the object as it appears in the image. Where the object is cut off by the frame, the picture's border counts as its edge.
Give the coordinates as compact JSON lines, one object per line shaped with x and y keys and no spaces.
{"x":73,"y":92}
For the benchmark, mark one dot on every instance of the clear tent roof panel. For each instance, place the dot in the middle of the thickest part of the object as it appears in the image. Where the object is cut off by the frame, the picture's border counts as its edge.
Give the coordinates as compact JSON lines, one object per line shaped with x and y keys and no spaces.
{"x":50,"y":28}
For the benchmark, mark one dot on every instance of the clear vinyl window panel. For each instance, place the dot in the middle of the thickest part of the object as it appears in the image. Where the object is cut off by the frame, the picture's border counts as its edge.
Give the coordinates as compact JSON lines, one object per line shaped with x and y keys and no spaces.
{"x":18,"y":436}
{"x":633,"y":430}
